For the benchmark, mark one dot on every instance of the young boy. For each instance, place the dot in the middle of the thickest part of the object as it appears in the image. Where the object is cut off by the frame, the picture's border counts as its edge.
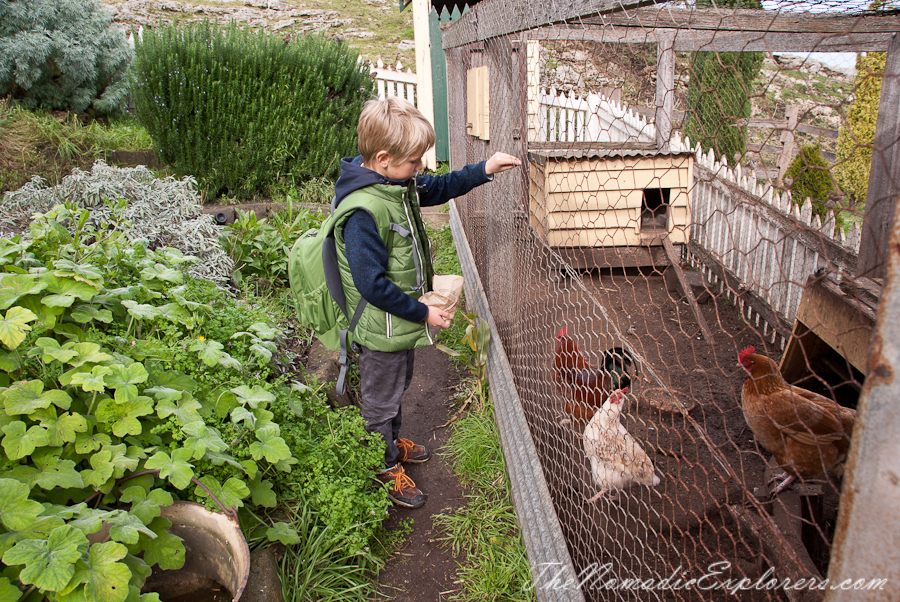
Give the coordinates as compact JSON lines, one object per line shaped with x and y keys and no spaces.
{"x":385,"y":260}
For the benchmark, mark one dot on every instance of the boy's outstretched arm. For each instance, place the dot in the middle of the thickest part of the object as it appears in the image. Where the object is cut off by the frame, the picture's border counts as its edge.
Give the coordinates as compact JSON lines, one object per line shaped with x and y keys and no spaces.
{"x":500,"y":162}
{"x":436,"y":190}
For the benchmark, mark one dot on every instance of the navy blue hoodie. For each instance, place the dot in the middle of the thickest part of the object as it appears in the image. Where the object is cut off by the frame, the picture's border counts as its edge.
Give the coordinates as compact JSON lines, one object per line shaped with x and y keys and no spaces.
{"x":366,"y":253}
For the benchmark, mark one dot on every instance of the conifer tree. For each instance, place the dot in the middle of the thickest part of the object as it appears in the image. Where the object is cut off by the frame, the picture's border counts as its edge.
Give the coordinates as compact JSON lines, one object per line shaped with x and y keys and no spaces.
{"x":63,"y":54}
{"x":718,"y":95}
{"x":854,"y":147}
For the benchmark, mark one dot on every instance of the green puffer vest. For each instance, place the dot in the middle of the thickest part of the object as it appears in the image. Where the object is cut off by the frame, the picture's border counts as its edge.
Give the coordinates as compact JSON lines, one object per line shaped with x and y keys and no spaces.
{"x":396,"y":211}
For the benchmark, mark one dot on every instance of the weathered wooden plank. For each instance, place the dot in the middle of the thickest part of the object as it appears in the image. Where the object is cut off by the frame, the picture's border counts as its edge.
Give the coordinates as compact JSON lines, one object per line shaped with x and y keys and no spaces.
{"x":704,"y":40}
{"x":586,"y":258}
{"x":884,"y":175}
{"x":492,"y":18}
{"x":787,"y":139}
{"x":675,"y":264}
{"x":749,"y":20}
{"x":665,"y":90}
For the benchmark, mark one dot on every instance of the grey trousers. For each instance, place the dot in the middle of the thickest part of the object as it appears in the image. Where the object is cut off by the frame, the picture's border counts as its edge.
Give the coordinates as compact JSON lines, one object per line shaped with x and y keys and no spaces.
{"x":384,"y":377}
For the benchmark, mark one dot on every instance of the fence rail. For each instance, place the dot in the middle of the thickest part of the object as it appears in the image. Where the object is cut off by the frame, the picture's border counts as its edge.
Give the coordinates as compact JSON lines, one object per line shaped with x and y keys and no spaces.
{"x":394,"y":81}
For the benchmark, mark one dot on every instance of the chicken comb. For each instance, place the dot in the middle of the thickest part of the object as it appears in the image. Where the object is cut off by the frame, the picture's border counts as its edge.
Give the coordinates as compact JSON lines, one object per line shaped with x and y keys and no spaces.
{"x":745,"y":352}
{"x":562,"y":332}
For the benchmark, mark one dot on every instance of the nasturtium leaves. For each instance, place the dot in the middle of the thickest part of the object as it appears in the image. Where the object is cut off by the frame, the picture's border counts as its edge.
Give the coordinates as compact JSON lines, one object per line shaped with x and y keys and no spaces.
{"x":145,"y":506}
{"x":85,"y":443}
{"x":26,"y":397}
{"x":64,"y":428}
{"x":89,"y":520}
{"x":20,"y":442}
{"x":125,"y":380}
{"x":141,"y":311}
{"x":261,"y":492}
{"x":65,"y":290}
{"x":165,"y":549}
{"x":201,"y":438}
{"x":8,"y":591}
{"x":261,"y":351}
{"x":49,"y":563}
{"x":14,"y":286}
{"x":56,"y":472}
{"x":171,"y":379}
{"x":111,"y":462}
{"x":159,"y":271}
{"x":14,"y":326}
{"x":105,"y":578}
{"x":84,"y":313}
{"x":17,"y":512}
{"x":87,"y":353}
{"x":126,"y":527}
{"x":208,"y":351}
{"x":93,"y":380}
{"x":230,"y":494}
{"x":51,"y":350}
{"x":242,"y":414}
{"x":186,"y":410}
{"x":177,"y":468}
{"x":82,"y":272}
{"x":173,"y":312}
{"x":252,"y":396}
{"x":218,"y":459}
{"x":284,"y":533}
{"x":269,"y":445}
{"x":10,"y":361}
{"x":264,"y":330}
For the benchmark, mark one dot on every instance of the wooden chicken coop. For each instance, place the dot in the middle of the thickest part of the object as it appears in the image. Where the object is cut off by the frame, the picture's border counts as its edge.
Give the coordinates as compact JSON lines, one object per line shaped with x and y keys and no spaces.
{"x":611,"y":207}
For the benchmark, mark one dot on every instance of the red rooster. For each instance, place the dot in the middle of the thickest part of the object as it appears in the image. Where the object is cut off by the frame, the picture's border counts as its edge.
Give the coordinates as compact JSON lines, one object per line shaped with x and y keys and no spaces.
{"x":585,"y":387}
{"x":807,"y":433}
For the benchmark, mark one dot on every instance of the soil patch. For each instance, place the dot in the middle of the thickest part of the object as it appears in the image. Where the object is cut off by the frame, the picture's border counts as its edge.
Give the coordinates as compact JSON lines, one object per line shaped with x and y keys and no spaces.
{"x":424,"y":570}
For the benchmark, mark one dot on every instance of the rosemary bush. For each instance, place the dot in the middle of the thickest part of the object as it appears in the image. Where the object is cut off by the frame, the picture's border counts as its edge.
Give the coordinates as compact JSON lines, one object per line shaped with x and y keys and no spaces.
{"x":242,"y":111}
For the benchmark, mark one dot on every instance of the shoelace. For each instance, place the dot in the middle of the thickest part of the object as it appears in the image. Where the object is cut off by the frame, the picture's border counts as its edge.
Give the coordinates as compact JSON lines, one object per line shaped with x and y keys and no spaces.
{"x":406,"y":445}
{"x":402,"y":481}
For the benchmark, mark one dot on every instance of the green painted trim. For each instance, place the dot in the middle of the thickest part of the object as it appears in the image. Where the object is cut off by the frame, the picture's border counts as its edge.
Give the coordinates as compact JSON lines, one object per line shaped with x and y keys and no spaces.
{"x":439,"y":89}
{"x":404,"y":5}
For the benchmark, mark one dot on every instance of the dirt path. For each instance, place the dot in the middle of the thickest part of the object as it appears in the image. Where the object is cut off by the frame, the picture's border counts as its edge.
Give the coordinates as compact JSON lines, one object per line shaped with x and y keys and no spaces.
{"x":424,"y":570}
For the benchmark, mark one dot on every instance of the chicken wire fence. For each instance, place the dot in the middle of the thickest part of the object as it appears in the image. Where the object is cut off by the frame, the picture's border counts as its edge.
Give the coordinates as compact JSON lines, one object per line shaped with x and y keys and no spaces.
{"x":689,"y":192}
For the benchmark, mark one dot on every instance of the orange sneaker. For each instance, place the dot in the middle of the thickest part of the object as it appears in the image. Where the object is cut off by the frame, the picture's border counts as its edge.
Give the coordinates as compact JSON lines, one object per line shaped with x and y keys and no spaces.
{"x":412,"y":453}
{"x":403,"y":491}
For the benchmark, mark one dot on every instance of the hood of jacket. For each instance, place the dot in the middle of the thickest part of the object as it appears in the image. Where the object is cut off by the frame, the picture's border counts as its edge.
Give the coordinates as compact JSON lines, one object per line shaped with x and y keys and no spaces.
{"x":354,"y":176}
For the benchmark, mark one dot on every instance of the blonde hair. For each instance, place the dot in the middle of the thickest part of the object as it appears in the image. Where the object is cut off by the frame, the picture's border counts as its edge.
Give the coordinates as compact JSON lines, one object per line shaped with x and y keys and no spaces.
{"x":393,"y":125}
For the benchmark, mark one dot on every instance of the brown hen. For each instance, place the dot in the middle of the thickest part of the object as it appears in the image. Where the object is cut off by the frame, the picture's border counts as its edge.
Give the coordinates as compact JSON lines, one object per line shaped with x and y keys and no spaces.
{"x":807,"y":433}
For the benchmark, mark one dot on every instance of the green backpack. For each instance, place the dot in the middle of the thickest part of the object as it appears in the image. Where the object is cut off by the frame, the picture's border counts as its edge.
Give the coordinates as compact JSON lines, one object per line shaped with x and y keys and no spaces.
{"x":318,"y":290}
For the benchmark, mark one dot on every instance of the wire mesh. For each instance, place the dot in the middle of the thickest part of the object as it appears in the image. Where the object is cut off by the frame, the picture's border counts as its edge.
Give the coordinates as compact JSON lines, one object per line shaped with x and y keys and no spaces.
{"x":696,"y":184}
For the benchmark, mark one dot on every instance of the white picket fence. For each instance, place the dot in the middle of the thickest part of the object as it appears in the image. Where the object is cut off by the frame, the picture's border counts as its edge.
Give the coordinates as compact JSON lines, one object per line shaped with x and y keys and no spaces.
{"x":394,"y":81}
{"x":764,"y":239}
{"x":593,"y":118}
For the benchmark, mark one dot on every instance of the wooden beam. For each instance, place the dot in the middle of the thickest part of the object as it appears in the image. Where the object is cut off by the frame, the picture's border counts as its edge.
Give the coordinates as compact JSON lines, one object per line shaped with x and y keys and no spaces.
{"x":665,"y":91}
{"x":884,"y":175}
{"x":787,"y":139}
{"x":675,"y":259}
{"x":702,"y":40}
{"x":750,"y":20}
{"x":492,"y":18}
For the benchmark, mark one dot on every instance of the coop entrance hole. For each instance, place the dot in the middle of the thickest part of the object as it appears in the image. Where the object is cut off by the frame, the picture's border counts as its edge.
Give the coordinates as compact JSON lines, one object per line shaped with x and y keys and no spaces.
{"x":654,"y":208}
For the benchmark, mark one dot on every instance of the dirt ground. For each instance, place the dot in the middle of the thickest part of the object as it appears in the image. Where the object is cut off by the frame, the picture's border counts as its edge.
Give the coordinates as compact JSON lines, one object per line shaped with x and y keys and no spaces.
{"x":424,"y":570}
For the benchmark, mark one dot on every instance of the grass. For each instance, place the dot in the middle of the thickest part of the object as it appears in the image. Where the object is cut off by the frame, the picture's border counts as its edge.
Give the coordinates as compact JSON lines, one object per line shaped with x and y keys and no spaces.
{"x":50,"y":145}
{"x":485,"y":530}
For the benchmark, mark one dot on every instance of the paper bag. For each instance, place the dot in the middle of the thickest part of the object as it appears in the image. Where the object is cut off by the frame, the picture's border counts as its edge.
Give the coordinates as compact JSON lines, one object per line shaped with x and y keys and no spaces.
{"x":446,"y":293}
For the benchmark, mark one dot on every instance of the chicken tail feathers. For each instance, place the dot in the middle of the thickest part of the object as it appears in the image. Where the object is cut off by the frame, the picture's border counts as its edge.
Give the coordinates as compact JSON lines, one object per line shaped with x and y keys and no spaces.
{"x":619,"y":363}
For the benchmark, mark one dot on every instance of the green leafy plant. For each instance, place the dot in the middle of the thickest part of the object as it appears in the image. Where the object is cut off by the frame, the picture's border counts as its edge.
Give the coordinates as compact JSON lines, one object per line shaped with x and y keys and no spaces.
{"x":96,"y":418}
{"x":811,"y":178}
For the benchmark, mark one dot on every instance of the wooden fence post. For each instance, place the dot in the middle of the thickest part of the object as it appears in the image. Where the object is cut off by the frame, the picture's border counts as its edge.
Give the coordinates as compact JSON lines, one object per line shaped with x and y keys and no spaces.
{"x":424,"y":94}
{"x":665,"y":89}
{"x":787,"y":139}
{"x":884,"y":174}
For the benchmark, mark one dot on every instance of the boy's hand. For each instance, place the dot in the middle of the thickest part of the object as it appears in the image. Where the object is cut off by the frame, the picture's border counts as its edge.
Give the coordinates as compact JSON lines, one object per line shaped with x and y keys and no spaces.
{"x":438,"y":317}
{"x":500,"y":162}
